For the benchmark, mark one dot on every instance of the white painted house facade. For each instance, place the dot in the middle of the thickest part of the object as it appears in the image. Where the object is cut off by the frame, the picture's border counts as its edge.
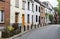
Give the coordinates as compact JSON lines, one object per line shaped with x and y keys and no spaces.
{"x":15,"y":9}
{"x":24,"y":12}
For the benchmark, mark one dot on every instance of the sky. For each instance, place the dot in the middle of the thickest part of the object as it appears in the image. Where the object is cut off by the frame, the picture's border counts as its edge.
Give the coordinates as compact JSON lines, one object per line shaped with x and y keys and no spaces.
{"x":54,"y":3}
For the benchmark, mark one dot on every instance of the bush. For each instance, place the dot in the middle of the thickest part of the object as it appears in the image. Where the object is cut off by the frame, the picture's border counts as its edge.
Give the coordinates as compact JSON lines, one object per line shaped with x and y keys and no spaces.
{"x":10,"y":28}
{"x":15,"y":26}
{"x":51,"y":17}
{"x":8,"y":32}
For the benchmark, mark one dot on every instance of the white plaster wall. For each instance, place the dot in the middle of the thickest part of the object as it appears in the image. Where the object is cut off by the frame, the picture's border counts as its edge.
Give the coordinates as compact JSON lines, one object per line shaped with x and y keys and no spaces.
{"x":28,"y":12}
{"x":13,"y":9}
{"x":31,"y":12}
{"x":36,"y":13}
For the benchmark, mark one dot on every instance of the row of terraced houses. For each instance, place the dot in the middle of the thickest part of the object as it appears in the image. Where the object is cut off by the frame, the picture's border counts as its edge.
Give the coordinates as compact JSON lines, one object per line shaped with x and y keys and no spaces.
{"x":24,"y":13}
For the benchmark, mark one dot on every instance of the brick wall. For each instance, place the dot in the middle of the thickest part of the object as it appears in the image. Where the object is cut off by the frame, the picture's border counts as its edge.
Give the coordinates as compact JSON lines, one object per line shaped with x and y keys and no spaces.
{"x":6,"y":8}
{"x":42,"y":14}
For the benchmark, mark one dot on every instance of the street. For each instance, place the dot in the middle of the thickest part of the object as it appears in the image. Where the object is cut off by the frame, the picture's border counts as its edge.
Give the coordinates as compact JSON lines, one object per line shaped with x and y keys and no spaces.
{"x":51,"y":32}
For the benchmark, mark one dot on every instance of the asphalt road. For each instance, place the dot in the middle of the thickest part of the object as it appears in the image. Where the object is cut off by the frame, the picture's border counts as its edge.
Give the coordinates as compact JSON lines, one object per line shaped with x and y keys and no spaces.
{"x":51,"y":32}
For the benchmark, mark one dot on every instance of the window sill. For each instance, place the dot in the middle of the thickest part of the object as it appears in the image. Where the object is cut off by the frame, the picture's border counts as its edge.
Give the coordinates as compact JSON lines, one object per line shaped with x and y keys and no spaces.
{"x":23,"y":8}
{"x":1,"y":22}
{"x":16,"y":6}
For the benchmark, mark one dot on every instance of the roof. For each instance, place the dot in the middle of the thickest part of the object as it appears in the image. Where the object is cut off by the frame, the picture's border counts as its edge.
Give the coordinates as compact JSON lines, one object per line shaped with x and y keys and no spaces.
{"x":37,"y":1}
{"x":46,"y":3}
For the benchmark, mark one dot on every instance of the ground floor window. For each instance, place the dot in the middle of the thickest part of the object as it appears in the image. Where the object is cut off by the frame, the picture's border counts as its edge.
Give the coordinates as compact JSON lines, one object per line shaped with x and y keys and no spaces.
{"x":32,"y":19}
{"x":28,"y":18}
{"x":39,"y":19}
{"x":1,"y":16}
{"x":36,"y":18}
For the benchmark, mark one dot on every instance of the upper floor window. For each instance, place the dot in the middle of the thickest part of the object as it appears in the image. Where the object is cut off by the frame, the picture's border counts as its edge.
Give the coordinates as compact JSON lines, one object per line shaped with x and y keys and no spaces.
{"x":28,"y":5}
{"x":42,"y":10}
{"x":1,"y":0}
{"x":28,"y":18}
{"x":32,"y":7}
{"x":36,"y":7}
{"x":1,"y":16}
{"x":17,"y":3}
{"x":39,"y":9}
{"x":23,"y":4}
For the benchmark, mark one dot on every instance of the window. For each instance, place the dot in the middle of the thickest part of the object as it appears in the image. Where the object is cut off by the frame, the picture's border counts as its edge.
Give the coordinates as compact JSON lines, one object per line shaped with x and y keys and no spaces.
{"x":28,"y":5}
{"x":23,"y":4}
{"x":1,"y":16}
{"x":28,"y":18}
{"x":2,"y":0}
{"x":36,"y":7}
{"x":39,"y":9}
{"x":36,"y":18}
{"x":17,"y":3}
{"x":39,"y":19}
{"x":32,"y":7}
{"x":32,"y":19}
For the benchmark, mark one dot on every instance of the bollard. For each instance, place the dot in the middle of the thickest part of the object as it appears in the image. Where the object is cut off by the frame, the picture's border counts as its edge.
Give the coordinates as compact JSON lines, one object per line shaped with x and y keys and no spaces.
{"x":27,"y":27}
{"x":35,"y":25}
{"x":38,"y":25}
{"x":24,"y":28}
{"x":31,"y":26}
{"x":20,"y":29}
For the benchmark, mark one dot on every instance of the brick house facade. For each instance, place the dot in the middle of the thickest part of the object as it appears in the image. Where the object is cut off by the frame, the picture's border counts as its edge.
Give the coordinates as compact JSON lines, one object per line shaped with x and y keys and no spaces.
{"x":5,"y":8}
{"x":42,"y":14}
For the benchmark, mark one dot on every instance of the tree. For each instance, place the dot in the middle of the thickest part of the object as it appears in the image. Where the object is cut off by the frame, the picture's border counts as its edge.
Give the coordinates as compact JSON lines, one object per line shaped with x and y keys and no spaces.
{"x":51,"y":17}
{"x":58,"y":9}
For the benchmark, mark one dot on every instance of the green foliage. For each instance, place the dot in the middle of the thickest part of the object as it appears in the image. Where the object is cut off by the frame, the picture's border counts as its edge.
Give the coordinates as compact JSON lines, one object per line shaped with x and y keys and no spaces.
{"x":10,"y":28}
{"x":58,"y":1}
{"x":58,"y":8}
{"x":46,"y":14}
{"x":51,"y":17}
{"x":55,"y":8}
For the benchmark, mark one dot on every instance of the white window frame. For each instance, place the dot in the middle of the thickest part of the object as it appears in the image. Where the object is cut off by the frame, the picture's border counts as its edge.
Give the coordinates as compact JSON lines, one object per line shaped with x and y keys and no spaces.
{"x":23,"y":4}
{"x":0,"y":16}
{"x":17,"y":3}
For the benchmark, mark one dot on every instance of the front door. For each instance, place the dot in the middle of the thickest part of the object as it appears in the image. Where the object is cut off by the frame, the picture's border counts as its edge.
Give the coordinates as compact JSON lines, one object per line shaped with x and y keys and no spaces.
{"x":16,"y":17}
{"x":23,"y":18}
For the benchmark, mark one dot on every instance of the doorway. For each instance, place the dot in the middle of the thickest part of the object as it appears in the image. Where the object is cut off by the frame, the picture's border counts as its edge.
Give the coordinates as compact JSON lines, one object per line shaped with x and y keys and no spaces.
{"x":16,"y":17}
{"x":23,"y":19}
